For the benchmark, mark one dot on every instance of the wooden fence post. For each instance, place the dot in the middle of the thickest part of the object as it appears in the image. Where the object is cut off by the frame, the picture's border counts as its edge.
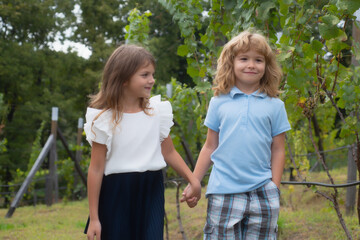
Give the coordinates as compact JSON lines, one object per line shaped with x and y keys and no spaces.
{"x":78,"y":153}
{"x":52,"y":180}
{"x":29,"y":177}
{"x":79,"y":139}
{"x":351,"y":177}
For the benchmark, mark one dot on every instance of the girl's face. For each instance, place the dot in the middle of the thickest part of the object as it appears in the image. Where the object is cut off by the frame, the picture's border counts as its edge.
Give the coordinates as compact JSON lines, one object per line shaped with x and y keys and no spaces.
{"x":249,"y":68}
{"x":141,"y":83}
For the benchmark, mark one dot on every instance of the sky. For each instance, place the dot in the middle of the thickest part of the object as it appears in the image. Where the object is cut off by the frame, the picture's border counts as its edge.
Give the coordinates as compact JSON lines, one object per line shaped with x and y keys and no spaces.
{"x":81,"y":49}
{"x":357,"y":14}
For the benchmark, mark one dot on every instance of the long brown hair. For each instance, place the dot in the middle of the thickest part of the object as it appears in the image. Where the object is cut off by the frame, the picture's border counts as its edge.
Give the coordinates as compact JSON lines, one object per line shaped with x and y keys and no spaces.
{"x":120,"y":67}
{"x":245,"y":41}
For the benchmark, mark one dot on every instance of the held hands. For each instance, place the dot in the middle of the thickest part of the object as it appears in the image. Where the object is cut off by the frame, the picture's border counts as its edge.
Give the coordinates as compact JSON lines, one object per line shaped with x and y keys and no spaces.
{"x":94,"y":230}
{"x":192,"y":194}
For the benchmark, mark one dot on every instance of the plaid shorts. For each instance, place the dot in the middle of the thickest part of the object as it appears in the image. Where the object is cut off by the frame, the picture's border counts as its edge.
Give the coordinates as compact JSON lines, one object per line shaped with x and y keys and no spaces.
{"x":247,"y":216}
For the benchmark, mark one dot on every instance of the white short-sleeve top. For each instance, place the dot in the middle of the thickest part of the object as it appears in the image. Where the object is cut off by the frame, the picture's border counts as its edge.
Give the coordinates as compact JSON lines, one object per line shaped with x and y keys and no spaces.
{"x":134,"y":145}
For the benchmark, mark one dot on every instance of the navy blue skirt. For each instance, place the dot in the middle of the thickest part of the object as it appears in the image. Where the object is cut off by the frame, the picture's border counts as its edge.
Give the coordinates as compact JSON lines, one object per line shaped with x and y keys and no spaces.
{"x":131,"y":206}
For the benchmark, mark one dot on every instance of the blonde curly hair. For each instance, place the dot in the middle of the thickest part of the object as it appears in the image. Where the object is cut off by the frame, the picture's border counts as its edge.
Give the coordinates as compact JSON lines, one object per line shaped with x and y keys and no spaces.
{"x":225,"y":77}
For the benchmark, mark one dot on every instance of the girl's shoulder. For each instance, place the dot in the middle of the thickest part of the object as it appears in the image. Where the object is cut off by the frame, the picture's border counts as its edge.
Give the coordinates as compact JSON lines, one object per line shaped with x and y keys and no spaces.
{"x":164,"y":110}
{"x":98,"y":128}
{"x":98,"y":115}
{"x":161,"y":107}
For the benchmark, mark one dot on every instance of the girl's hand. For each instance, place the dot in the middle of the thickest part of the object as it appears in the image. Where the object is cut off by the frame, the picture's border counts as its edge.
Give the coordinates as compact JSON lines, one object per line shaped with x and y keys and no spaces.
{"x":183,"y":199}
{"x":94,"y":230}
{"x":192,"y":194}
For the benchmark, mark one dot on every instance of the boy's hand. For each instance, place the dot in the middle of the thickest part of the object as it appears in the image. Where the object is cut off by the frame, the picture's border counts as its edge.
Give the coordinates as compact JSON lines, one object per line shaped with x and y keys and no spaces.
{"x":191,"y":194}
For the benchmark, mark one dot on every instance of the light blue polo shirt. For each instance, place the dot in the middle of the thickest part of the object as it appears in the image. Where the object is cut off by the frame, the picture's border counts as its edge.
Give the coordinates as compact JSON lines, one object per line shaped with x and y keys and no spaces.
{"x":246,"y":125}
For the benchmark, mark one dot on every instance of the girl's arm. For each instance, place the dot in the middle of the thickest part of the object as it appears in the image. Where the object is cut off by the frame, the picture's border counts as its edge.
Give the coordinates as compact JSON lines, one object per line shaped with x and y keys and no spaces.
{"x":204,"y":160}
{"x":278,"y":158}
{"x":173,"y":158}
{"x":95,"y":175}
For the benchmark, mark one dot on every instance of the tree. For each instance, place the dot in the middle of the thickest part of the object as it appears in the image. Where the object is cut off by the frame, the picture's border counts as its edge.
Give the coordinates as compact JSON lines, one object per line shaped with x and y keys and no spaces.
{"x":33,"y":78}
{"x":102,"y":29}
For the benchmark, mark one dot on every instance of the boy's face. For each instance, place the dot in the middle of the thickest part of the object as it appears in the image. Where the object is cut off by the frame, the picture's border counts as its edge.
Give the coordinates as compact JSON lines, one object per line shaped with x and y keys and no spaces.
{"x":141,"y":83}
{"x":249,"y":68}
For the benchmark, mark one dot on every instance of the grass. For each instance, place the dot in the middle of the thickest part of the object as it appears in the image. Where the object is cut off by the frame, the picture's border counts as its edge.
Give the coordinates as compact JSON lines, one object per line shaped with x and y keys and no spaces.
{"x":60,"y":221}
{"x":304,"y":215}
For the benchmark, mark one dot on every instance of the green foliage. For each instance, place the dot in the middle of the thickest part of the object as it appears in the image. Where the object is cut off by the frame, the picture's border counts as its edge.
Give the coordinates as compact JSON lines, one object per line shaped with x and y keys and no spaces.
{"x":307,"y":73}
{"x":189,"y":109}
{"x":36,"y":147}
{"x":138,"y":28}
{"x":299,"y":147}
{"x":102,"y":29}
{"x":34,"y":21}
{"x":35,"y":81}
{"x":3,"y":112}
{"x":66,"y":170}
{"x":34,"y":78}
{"x":3,"y":145}
{"x":101,"y":21}
{"x":68,"y":176}
{"x":20,"y":175}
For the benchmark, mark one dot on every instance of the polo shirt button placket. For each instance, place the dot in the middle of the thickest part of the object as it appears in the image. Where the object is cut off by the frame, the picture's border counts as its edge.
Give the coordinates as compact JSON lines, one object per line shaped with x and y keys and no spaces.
{"x":246,"y":110}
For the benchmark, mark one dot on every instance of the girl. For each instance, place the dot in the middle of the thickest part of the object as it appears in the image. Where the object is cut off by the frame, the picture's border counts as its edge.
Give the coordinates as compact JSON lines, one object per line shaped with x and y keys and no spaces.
{"x":129,"y":135}
{"x":245,"y":142}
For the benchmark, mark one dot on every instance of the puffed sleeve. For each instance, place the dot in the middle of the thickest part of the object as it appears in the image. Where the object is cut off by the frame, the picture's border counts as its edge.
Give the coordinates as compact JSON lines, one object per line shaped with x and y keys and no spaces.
{"x":98,"y":130}
{"x":164,"y":109}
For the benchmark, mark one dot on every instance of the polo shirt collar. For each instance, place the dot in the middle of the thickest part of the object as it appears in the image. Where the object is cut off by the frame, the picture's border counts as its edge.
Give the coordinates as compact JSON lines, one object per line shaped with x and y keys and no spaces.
{"x":235,"y":91}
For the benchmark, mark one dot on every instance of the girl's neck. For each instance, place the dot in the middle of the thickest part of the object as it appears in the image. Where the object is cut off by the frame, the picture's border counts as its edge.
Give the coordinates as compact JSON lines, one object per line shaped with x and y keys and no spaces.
{"x":131,"y":105}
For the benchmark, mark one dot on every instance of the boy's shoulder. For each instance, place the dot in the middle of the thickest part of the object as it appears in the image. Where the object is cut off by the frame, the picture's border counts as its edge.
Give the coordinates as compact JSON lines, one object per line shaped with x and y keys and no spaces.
{"x":221,"y":98}
{"x":274,"y":100}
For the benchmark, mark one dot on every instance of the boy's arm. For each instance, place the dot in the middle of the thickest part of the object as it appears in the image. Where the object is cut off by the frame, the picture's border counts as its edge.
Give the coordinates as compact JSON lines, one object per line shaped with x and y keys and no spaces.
{"x":204,"y":160}
{"x":278,"y":158}
{"x":203,"y":163}
{"x":95,"y":175}
{"x":173,"y":158}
